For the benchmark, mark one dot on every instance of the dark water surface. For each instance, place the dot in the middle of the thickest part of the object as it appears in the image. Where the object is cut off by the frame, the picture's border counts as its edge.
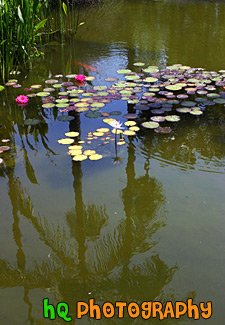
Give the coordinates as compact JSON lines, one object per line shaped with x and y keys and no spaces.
{"x":146,"y":227}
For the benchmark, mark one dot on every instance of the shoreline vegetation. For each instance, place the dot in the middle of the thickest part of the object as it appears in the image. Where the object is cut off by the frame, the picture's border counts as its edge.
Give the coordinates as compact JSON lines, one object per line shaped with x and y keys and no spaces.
{"x":25,"y":24}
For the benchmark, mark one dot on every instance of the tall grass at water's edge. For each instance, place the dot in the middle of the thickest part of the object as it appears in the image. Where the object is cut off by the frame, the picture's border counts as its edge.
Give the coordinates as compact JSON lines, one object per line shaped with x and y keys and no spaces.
{"x":20,"y":24}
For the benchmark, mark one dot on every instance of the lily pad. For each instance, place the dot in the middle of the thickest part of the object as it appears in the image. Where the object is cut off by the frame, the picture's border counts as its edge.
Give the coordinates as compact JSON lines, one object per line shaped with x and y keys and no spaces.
{"x":188,"y":103}
{"x":65,"y":141}
{"x":113,"y":113}
{"x":79,"y":158}
{"x":213,"y":95}
{"x":150,"y":125}
{"x":123,"y":71}
{"x":62,"y":105}
{"x":173,"y":118}
{"x":4,"y":148}
{"x":130,"y":116}
{"x":139,"y":64}
{"x":158,"y":118}
{"x":51,"y":81}
{"x":150,"y":79}
{"x":164,"y":130}
{"x":183,"y":110}
{"x":142,"y":107}
{"x":196,"y":112}
{"x":219,"y":101}
{"x":43,"y":94}
{"x":130,"y":123}
{"x":111,"y":79}
{"x":65,"y":118}
{"x":36,"y":86}
{"x":31,"y":121}
{"x":129,"y":132}
{"x":48,"y":105}
{"x":82,"y":109}
{"x":72,"y":134}
{"x":95,"y":157}
{"x":92,"y":114}
{"x":173,"y":87}
{"x":157,"y":111}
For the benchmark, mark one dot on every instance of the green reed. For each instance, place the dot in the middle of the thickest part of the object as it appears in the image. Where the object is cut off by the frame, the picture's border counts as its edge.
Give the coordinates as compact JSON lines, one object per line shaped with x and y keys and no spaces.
{"x":23,"y":23}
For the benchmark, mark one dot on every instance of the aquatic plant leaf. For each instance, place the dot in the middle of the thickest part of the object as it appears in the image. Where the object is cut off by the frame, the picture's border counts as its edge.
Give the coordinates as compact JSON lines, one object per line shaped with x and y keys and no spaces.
{"x":95,"y":157}
{"x":134,"y":128}
{"x":43,"y":94}
{"x":150,"y":70}
{"x":103,"y":130}
{"x":130,"y":123}
{"x":150,"y":125}
{"x":75,"y":152}
{"x":31,"y":121}
{"x":164,"y":130}
{"x":72,"y":134}
{"x":219,"y":101}
{"x":48,"y":105}
{"x":75,"y":147}
{"x":51,"y":81}
{"x":65,"y":118}
{"x":183,"y":110}
{"x":89,"y":152}
{"x":115,"y":113}
{"x":188,"y":103}
{"x":4,"y":148}
{"x":92,"y":114}
{"x":172,"y":118}
{"x":173,"y":87}
{"x":82,"y":109}
{"x":70,"y":76}
{"x":158,"y":118}
{"x":1,"y":87}
{"x":139,"y":64}
{"x":98,"y":134}
{"x":129,"y":132}
{"x":79,"y":158}
{"x":99,"y":105}
{"x":111,"y":79}
{"x":65,"y":141}
{"x":196,"y":112}
{"x":36,"y":86}
{"x":123,"y":71}
{"x":100,"y":88}
{"x":90,"y":78}
{"x":141,"y":107}
{"x":117,"y":131}
{"x":130,"y":116}
{"x":62,"y":105}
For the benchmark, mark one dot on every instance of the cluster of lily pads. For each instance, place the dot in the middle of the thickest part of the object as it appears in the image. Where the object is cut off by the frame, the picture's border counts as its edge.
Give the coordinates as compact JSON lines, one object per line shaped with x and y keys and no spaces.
{"x":155,"y":98}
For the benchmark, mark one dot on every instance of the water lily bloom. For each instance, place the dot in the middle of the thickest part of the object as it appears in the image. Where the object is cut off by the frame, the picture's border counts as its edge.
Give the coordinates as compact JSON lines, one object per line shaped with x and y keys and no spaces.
{"x":22,"y":99}
{"x":116,"y":125}
{"x":80,"y":77}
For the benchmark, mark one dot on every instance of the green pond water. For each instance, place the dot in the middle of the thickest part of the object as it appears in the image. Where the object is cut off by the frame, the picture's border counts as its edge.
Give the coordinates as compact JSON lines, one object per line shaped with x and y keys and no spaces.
{"x":143,"y":224}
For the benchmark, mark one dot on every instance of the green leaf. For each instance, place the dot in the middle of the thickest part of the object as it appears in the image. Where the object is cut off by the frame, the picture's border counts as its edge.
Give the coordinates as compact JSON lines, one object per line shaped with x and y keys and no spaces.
{"x":41,"y":24}
{"x":64,"y":8}
{"x":3,"y":42}
{"x":20,"y":15}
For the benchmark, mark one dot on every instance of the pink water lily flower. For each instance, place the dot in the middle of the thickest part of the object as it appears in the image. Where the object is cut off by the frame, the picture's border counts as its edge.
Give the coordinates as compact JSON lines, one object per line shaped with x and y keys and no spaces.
{"x":22,"y":99}
{"x":80,"y":77}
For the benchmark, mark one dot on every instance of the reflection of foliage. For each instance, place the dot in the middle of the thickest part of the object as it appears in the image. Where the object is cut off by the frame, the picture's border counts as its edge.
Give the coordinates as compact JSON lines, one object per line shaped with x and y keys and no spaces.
{"x":193,"y":140}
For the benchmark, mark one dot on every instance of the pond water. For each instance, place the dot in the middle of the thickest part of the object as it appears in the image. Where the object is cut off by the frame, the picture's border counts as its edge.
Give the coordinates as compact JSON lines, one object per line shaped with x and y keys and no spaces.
{"x":144,"y":223}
